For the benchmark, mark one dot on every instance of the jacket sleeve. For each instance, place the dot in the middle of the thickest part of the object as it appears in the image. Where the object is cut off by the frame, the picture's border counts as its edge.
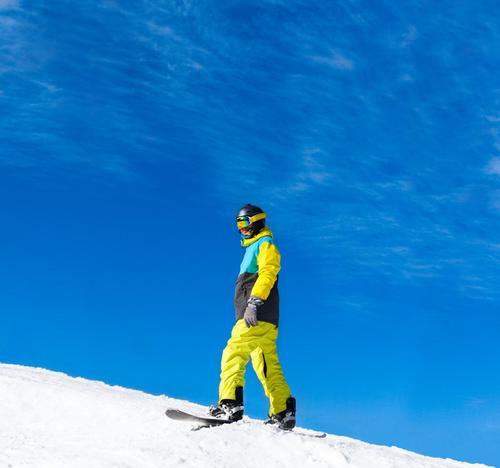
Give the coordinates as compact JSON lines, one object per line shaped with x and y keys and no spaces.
{"x":269,"y":263}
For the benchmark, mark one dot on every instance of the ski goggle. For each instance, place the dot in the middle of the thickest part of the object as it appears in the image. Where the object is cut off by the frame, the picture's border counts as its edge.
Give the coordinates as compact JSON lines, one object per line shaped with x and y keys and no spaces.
{"x":245,"y":221}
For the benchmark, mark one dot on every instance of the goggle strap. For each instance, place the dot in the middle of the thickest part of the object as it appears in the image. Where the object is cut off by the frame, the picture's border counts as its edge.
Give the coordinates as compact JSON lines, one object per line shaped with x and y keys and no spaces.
{"x":257,"y":217}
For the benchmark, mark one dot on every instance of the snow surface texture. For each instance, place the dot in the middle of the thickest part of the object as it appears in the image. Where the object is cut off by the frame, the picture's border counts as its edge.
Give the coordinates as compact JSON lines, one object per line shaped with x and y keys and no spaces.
{"x":51,"y":420}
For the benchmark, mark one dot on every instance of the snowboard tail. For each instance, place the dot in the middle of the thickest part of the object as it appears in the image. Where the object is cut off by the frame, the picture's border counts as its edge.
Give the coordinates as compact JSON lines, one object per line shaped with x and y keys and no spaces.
{"x":180,"y":415}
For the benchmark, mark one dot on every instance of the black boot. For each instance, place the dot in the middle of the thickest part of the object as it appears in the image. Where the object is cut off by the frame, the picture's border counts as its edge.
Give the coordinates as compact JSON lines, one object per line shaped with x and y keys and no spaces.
{"x":286,"y":419}
{"x":232,"y":410}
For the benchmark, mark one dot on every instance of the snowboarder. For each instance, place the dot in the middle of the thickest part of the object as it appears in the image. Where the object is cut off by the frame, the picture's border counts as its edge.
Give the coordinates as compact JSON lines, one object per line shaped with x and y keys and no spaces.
{"x":256,"y":330}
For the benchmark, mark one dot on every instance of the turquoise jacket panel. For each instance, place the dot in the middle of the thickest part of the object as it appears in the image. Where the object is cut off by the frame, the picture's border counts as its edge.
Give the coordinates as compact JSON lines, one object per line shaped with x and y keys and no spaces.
{"x":249,"y":262}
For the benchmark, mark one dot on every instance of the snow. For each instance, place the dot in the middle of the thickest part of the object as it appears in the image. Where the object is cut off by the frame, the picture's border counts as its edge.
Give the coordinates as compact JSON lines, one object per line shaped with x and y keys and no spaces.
{"x":50,"y":420}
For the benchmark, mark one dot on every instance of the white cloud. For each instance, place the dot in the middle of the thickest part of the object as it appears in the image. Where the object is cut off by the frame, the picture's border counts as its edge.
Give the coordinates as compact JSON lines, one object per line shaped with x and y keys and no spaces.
{"x":493,"y":167}
{"x":7,"y":24}
{"x":492,"y":426}
{"x":410,"y":36}
{"x":163,"y":30}
{"x":402,"y":184}
{"x":335,"y":60}
{"x":495,"y":200}
{"x":9,"y":4}
{"x":492,"y":118}
{"x":311,"y":173}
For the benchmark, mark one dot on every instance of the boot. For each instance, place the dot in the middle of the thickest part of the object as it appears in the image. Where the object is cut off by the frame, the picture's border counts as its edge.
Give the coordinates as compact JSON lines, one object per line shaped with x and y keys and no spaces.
{"x":232,"y":410}
{"x":286,"y":419}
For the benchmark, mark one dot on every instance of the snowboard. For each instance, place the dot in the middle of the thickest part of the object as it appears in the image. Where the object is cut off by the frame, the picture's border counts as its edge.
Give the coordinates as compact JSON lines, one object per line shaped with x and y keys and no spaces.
{"x":207,"y":421}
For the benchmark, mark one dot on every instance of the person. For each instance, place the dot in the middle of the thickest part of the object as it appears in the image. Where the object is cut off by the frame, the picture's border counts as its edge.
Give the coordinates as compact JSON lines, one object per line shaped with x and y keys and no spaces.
{"x":256,"y":330}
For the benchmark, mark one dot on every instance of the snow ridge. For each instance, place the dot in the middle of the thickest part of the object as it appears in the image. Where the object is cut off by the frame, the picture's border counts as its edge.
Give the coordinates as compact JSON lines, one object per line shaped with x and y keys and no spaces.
{"x":50,"y":420}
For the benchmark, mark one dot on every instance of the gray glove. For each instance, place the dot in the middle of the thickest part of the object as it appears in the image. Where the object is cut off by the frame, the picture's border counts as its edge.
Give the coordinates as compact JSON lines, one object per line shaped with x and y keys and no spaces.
{"x":250,"y":316}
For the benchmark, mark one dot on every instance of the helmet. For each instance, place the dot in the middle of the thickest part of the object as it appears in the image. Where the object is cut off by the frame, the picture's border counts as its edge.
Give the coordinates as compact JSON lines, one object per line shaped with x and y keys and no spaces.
{"x":250,"y":220}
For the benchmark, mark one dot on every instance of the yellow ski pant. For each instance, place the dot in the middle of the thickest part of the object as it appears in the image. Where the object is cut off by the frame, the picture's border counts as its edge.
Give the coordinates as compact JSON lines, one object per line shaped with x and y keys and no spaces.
{"x":259,"y":343}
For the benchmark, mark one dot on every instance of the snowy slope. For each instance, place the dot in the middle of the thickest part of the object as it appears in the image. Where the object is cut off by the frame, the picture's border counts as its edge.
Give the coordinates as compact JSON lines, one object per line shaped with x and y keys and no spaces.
{"x":51,"y":420}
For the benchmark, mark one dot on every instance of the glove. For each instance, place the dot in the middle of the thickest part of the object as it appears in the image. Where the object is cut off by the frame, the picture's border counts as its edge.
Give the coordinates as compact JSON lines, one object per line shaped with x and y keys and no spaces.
{"x":250,"y":316}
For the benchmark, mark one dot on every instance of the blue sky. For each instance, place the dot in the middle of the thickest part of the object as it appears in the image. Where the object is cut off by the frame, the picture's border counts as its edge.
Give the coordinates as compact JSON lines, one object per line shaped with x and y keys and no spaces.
{"x":131,"y":132}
